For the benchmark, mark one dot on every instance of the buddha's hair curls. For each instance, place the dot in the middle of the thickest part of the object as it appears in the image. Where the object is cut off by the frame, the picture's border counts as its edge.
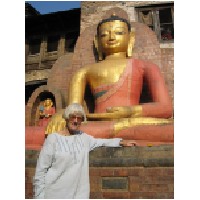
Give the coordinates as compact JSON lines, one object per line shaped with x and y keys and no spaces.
{"x":113,"y":18}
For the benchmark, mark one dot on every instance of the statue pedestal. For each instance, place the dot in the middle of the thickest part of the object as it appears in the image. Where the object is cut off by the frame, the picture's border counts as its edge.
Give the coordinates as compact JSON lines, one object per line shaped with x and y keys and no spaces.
{"x":34,"y":137}
{"x":143,"y":171}
{"x":143,"y":135}
{"x":123,"y":172}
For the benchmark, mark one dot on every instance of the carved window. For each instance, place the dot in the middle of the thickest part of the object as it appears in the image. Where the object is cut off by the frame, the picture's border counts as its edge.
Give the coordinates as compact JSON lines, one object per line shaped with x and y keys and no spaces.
{"x":70,"y":41}
{"x":34,"y":46}
{"x":160,"y":19}
{"x":52,"y":43}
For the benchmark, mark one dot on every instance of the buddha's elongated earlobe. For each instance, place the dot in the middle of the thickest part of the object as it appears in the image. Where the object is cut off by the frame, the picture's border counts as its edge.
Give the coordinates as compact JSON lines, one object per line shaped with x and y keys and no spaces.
{"x":97,"y":46}
{"x":131,"y":43}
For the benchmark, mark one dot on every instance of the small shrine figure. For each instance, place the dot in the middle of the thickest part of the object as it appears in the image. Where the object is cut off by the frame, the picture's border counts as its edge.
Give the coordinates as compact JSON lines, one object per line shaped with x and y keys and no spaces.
{"x":46,"y":111}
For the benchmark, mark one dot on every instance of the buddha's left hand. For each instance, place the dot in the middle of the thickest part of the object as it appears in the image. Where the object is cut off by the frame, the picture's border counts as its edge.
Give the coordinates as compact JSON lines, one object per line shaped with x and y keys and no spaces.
{"x":121,"y":110}
{"x":126,"y":111}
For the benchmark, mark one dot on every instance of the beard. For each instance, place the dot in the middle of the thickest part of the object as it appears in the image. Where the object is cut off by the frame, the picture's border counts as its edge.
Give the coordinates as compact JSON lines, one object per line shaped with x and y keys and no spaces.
{"x":73,"y":131}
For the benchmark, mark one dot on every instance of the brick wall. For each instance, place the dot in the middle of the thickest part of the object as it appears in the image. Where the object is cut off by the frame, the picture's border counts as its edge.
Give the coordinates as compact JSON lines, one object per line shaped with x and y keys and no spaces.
{"x":132,"y":183}
{"x":123,"y":183}
{"x":93,"y":11}
{"x":167,"y":58}
{"x":123,"y":173}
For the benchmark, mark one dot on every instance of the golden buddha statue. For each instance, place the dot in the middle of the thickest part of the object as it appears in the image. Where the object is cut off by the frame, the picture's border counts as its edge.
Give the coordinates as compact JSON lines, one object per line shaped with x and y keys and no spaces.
{"x":46,"y":111}
{"x":116,"y":82}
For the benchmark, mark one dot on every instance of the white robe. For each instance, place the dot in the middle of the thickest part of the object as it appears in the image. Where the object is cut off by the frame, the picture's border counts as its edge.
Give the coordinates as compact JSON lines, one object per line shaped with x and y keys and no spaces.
{"x":62,"y":170}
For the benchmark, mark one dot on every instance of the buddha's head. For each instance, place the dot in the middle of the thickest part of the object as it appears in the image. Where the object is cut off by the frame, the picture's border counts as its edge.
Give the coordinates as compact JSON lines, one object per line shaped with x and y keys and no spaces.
{"x":114,"y":36}
{"x":48,"y":103}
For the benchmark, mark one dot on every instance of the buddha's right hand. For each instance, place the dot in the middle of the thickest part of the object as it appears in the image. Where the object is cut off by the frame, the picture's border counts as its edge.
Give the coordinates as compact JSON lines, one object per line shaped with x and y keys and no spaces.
{"x":126,"y":111}
{"x":112,"y":113}
{"x":56,"y":123}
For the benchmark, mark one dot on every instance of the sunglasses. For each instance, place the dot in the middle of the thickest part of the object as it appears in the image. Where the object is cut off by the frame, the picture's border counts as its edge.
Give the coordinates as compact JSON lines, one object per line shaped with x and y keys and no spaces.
{"x":73,"y":117}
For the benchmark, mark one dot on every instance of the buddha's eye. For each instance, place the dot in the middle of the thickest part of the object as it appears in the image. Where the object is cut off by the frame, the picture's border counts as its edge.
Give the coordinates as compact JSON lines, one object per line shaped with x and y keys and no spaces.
{"x":103,"y":34}
{"x":120,"y":32}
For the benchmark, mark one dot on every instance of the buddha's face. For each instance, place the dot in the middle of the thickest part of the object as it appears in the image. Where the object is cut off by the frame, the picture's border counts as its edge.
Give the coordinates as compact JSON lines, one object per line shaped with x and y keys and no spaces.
{"x":47,"y":103}
{"x":113,"y":37}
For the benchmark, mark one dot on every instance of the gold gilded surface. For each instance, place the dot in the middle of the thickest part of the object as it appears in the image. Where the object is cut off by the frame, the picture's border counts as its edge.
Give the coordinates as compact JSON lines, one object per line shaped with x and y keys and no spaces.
{"x":117,"y":113}
{"x":140,"y":121}
{"x":48,"y":103}
{"x":46,"y":109}
{"x":57,"y":123}
{"x":113,"y":42}
{"x":113,"y":37}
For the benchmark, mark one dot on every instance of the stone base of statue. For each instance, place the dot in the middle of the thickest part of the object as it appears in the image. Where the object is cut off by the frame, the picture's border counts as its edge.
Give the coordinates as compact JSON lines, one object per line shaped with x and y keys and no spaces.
{"x":143,"y":135}
{"x":34,"y":137}
{"x":137,"y":172}
{"x":148,"y":135}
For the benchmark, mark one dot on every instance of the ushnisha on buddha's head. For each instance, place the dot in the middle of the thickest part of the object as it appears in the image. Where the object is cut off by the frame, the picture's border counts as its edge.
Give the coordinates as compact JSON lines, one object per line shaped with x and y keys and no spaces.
{"x":114,"y":36}
{"x":74,"y":115}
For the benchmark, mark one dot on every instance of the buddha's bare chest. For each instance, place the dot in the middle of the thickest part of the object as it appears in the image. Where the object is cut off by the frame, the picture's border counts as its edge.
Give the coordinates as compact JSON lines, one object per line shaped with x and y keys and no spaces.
{"x":106,"y":74}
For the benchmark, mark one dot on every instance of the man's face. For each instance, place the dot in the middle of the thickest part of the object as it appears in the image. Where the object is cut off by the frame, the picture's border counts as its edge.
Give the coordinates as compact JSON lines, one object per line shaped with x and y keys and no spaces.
{"x":74,"y":122}
{"x":113,"y":37}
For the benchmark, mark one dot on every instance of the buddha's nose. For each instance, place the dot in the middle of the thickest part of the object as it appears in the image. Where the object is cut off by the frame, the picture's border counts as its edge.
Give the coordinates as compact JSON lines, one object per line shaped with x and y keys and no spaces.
{"x":112,"y":35}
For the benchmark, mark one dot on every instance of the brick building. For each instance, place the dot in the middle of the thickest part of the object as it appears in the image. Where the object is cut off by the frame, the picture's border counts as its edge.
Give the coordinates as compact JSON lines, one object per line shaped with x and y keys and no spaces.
{"x":47,"y":38}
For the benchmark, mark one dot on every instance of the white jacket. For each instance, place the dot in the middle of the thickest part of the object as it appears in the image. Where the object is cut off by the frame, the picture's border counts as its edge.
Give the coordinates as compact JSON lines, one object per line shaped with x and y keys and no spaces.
{"x":62,"y":170}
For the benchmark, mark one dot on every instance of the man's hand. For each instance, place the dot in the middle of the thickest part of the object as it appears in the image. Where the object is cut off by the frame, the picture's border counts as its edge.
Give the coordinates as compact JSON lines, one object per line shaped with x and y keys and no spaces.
{"x":128,"y":143}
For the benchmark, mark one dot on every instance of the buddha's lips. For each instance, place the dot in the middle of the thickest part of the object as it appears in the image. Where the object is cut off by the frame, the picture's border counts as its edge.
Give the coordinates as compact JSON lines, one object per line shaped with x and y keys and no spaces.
{"x":112,"y":42}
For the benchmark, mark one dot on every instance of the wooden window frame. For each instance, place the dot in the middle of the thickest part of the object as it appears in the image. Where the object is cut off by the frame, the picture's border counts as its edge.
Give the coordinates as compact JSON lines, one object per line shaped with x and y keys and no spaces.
{"x":156,"y":20}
